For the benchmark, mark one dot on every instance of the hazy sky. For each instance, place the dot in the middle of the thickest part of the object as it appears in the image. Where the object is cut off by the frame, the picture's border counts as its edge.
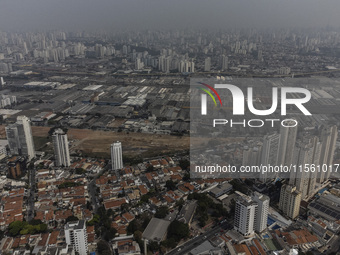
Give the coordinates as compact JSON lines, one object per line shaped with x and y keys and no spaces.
{"x":159,"y":14}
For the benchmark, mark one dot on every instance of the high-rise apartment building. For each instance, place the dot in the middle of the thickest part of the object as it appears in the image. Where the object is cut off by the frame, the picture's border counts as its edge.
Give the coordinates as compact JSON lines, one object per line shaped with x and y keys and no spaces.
{"x":186,"y":66}
{"x":20,"y":139}
{"x":16,"y":166}
{"x":224,"y":63}
{"x":251,"y":213}
{"x":164,"y":63}
{"x":207,"y":64}
{"x":76,"y":235}
{"x":61,"y":148}
{"x":286,"y":145}
{"x":290,"y":199}
{"x":269,"y":154}
{"x":261,"y":215}
{"x":328,"y":141}
{"x":306,"y":153}
{"x":252,"y":156}
{"x":116,"y":156}
{"x":245,"y":210}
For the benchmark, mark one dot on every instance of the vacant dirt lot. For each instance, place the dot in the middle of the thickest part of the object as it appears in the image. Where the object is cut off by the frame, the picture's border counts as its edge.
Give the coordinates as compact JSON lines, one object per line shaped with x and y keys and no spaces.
{"x":98,"y":142}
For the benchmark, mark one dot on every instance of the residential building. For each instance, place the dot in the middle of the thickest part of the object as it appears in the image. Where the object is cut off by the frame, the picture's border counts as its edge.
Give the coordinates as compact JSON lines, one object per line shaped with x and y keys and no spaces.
{"x":61,"y":148}
{"x":20,"y":139}
{"x":290,"y":199}
{"x":76,"y":235}
{"x":116,"y":156}
{"x":261,"y":214}
{"x":328,"y":139}
{"x":245,"y":211}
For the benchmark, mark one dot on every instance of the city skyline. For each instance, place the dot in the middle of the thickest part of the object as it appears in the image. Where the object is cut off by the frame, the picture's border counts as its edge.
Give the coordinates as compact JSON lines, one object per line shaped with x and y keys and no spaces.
{"x":140,"y":127}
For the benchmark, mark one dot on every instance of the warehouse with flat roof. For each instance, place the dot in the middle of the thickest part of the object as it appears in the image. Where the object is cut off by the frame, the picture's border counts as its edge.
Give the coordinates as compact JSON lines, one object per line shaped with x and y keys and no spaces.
{"x":156,"y":230}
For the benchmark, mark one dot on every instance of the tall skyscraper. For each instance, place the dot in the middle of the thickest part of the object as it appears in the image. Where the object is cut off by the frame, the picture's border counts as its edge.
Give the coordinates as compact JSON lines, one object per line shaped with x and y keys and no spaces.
{"x":251,"y":213}
{"x":116,"y":156}
{"x":328,"y":141}
{"x":207,"y":64}
{"x":125,"y":50}
{"x":269,"y":154}
{"x":306,"y":153}
{"x":245,"y":211}
{"x":75,"y":235}
{"x":261,"y":214}
{"x":164,"y":63}
{"x":186,"y":66}
{"x":252,"y":156}
{"x":290,"y":199}
{"x":139,"y":64}
{"x":61,"y":148}
{"x":286,"y":145}
{"x":224,"y":63}
{"x":20,"y":139}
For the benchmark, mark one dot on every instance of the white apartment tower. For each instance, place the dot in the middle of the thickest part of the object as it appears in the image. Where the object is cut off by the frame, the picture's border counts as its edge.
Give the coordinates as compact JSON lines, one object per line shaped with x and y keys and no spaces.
{"x":286,"y":145}
{"x":76,"y":235}
{"x":61,"y":148}
{"x":305,"y":153}
{"x":269,"y":154}
{"x":261,"y":215}
{"x":116,"y":156}
{"x":251,"y":213}
{"x":20,"y":139}
{"x":245,"y":212}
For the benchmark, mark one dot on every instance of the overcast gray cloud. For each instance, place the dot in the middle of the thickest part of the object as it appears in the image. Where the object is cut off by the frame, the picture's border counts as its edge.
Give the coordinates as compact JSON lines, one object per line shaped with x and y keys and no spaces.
{"x":159,"y":14}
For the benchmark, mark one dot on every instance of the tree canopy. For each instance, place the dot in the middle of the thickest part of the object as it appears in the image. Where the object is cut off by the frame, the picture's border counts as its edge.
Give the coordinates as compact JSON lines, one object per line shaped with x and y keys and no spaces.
{"x":178,"y":230}
{"x":23,"y":228}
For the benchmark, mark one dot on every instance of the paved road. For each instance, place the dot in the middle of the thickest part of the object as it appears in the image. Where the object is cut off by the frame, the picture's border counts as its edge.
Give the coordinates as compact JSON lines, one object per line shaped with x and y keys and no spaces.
{"x":31,"y":195}
{"x":188,"y":246}
{"x":92,"y":189}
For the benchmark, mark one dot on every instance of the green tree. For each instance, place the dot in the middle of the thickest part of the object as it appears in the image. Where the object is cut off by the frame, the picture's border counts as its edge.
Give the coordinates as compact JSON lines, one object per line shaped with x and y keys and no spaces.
{"x":169,"y":243}
{"x":153,"y":246}
{"x":110,"y":234}
{"x":161,"y":212}
{"x":15,"y":227}
{"x":184,"y":164}
{"x":150,"y":168}
{"x":35,"y":222}
{"x":103,"y":247}
{"x":43,"y":227}
{"x":145,"y":198}
{"x":133,"y":226}
{"x":170,"y":184}
{"x":80,"y":171}
{"x":138,"y":235}
{"x":186,"y":177}
{"x":178,"y":230}
{"x":68,"y":185}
